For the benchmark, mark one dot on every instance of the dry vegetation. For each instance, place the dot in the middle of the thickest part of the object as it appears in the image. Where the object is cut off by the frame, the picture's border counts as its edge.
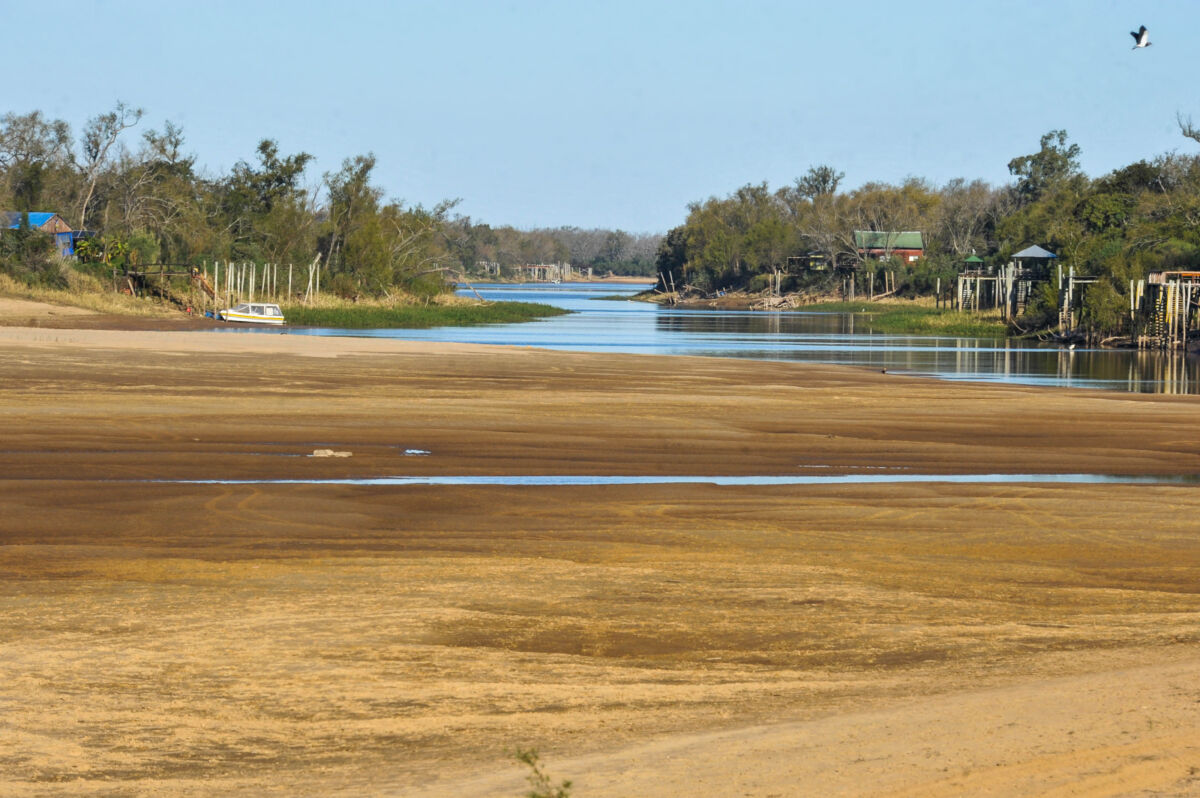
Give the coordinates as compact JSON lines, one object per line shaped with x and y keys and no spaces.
{"x":87,"y":292}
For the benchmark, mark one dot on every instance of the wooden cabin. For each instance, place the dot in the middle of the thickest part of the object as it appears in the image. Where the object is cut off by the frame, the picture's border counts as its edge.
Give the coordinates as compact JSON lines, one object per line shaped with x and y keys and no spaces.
{"x":46,"y":222}
{"x":908,"y":246}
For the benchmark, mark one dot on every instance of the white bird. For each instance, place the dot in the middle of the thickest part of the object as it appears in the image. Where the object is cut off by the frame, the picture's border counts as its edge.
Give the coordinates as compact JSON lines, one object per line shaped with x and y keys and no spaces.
{"x":1142,"y":37}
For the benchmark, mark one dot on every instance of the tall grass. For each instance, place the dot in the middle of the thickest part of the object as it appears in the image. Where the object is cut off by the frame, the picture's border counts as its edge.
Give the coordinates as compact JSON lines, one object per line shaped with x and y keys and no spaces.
{"x":918,"y":319}
{"x":360,"y":316}
{"x":90,"y":293}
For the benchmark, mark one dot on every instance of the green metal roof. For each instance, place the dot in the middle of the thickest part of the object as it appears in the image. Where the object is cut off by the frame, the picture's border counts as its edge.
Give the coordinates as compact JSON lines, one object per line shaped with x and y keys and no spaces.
{"x":973,"y":259}
{"x":879,"y":239}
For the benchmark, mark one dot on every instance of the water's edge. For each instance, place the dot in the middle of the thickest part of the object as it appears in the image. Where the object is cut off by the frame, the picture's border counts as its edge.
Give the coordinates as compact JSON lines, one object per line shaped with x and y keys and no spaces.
{"x":565,"y":480}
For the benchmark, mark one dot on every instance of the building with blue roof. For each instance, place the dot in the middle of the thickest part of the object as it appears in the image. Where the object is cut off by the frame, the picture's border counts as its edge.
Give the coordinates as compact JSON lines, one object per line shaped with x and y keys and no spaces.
{"x":47,"y":222}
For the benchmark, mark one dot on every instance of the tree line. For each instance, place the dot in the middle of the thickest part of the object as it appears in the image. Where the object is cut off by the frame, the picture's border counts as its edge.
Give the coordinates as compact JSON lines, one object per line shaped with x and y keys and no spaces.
{"x":143,"y":199}
{"x":1117,"y":227}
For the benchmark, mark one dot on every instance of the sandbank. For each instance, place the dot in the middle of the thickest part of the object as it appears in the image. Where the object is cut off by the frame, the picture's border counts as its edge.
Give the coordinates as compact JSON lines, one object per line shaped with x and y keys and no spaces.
{"x":175,"y":638}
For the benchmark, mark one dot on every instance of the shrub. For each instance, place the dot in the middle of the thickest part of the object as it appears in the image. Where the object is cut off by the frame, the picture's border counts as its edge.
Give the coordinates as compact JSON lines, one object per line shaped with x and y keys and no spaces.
{"x":539,"y":782}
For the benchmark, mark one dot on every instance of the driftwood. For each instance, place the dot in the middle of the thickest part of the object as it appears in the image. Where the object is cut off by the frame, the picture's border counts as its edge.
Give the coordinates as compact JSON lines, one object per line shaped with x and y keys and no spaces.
{"x":775,"y":302}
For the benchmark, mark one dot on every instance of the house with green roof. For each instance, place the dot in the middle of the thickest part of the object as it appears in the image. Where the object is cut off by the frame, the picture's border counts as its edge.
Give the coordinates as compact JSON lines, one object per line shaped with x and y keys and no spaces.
{"x":908,"y":246}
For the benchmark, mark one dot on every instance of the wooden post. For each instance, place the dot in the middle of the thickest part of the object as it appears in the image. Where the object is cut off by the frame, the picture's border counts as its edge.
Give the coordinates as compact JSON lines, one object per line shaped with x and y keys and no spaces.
{"x":1183,"y":319}
{"x":289,"y":282}
{"x":937,"y":294}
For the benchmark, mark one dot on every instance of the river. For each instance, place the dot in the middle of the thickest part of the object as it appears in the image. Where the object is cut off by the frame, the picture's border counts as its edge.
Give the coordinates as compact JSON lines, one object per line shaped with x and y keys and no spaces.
{"x":600,"y":323}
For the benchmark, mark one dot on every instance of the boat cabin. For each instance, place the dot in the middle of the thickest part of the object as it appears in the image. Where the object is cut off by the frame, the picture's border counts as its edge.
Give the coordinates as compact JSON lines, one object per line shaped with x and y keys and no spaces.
{"x":253,"y":313}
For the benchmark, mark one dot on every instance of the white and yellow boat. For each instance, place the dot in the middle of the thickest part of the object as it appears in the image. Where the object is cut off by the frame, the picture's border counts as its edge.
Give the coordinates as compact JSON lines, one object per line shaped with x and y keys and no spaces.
{"x":253,"y":313}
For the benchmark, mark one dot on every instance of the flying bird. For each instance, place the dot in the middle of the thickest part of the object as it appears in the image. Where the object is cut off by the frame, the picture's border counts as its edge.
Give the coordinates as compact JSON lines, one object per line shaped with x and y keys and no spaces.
{"x":1141,"y":36}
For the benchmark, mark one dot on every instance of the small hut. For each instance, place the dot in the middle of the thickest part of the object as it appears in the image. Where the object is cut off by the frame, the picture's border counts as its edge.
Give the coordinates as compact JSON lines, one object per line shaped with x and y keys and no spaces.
{"x":50,"y":223}
{"x":1034,"y":263}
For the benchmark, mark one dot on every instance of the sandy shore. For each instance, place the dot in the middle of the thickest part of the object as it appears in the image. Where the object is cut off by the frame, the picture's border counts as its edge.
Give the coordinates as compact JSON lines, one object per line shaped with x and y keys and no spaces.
{"x":175,"y":638}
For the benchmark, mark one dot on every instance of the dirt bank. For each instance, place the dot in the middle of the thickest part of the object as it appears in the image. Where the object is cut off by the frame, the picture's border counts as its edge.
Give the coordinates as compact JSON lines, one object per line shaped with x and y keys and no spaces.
{"x":937,"y":639}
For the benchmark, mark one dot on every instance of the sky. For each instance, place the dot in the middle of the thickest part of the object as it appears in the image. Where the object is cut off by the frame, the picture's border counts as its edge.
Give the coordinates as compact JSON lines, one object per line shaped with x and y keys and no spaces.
{"x":618,"y":114}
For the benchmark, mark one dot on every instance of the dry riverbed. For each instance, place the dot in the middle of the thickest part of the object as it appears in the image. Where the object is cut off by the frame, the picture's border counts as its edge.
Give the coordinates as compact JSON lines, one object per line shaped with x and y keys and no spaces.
{"x":160,"y":636}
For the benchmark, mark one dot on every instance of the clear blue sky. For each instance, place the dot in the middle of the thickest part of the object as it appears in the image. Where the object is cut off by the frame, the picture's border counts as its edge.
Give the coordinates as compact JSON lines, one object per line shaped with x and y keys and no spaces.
{"x":619,"y":114}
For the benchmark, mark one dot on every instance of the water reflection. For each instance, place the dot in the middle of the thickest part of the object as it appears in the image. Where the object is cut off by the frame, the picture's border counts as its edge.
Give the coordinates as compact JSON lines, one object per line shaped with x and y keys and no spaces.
{"x":600,"y":323}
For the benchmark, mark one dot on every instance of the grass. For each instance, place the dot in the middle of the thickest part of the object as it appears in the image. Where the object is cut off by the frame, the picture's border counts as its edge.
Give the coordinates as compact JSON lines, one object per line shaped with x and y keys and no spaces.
{"x":85,"y":291}
{"x":918,"y":319}
{"x":417,"y":316}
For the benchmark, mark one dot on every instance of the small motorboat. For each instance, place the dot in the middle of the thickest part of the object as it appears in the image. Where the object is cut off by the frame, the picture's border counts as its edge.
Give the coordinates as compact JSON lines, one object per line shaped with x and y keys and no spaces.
{"x":253,"y":313}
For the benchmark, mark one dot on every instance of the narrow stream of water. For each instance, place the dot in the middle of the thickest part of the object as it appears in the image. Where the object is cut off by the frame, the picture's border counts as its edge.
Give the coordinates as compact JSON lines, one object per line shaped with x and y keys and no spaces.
{"x":564,"y":480}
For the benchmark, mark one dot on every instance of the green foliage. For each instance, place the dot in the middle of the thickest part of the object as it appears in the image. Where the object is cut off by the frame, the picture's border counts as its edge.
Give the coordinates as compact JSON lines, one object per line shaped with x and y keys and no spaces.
{"x":1104,"y":310}
{"x":671,"y":257}
{"x":819,"y":181}
{"x":1050,"y":166}
{"x":142,"y":248}
{"x":918,"y":319}
{"x":146,"y":203}
{"x":921,"y":278}
{"x":31,"y":256}
{"x":418,"y":316}
{"x":541,"y":785}
{"x":1041,"y":310}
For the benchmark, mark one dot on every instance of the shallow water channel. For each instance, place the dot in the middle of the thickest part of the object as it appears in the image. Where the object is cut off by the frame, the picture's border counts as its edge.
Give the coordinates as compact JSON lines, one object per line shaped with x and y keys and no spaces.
{"x":601,"y":323}
{"x":564,"y":480}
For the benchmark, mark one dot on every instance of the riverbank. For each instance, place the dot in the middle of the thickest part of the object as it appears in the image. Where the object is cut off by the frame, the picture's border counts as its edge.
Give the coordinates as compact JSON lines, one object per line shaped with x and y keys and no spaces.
{"x":87,"y":309}
{"x":184,"y":638}
{"x":900,"y":316}
{"x":416,"y":316}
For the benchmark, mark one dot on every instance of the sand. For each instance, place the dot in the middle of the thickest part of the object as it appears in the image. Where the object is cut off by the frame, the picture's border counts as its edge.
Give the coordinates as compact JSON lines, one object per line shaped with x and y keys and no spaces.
{"x":172,"y":638}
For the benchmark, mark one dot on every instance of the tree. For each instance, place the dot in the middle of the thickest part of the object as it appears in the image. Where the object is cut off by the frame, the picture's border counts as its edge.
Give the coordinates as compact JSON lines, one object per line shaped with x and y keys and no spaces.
{"x":30,"y":145}
{"x":99,"y":135}
{"x":351,"y":196}
{"x":265,"y":206}
{"x":1050,"y":166}
{"x":1104,"y":309}
{"x":819,"y":181}
{"x":961,"y":223}
{"x":671,"y":257}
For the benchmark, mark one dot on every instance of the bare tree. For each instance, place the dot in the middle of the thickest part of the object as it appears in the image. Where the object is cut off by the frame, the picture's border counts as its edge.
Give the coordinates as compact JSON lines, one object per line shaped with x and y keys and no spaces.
{"x":963,"y":215}
{"x":1186,"y":128}
{"x":99,"y":137}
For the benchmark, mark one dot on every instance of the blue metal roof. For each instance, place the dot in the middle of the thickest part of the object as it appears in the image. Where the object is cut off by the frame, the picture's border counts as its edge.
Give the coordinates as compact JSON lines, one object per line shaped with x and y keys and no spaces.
{"x":1035,"y":252}
{"x":36,"y":219}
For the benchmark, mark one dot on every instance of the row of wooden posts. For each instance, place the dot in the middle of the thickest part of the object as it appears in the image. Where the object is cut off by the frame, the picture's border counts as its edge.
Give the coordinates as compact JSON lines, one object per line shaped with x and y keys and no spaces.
{"x":1162,"y":313}
{"x":230,"y":283}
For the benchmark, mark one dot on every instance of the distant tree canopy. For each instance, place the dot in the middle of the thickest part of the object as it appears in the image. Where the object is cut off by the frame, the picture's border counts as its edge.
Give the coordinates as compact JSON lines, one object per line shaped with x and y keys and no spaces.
{"x":144,"y":199}
{"x":1141,"y":217}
